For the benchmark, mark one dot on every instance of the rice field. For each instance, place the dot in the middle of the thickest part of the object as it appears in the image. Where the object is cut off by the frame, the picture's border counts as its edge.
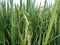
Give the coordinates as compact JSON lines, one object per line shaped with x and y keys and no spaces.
{"x":29,"y":25}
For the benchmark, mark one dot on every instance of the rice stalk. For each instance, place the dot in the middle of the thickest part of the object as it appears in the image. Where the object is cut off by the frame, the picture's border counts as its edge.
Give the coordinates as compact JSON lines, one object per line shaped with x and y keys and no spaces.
{"x":51,"y":22}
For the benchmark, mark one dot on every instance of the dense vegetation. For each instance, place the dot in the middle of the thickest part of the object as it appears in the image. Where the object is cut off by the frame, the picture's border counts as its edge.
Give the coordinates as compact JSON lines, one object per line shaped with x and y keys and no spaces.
{"x":29,"y":25}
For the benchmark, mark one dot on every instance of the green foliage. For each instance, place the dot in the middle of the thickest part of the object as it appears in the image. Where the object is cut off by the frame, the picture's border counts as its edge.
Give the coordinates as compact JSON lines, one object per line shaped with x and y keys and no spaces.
{"x":29,"y":25}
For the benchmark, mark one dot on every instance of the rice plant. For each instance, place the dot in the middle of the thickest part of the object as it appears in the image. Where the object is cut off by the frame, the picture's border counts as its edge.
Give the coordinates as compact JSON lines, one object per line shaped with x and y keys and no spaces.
{"x":28,"y":24}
